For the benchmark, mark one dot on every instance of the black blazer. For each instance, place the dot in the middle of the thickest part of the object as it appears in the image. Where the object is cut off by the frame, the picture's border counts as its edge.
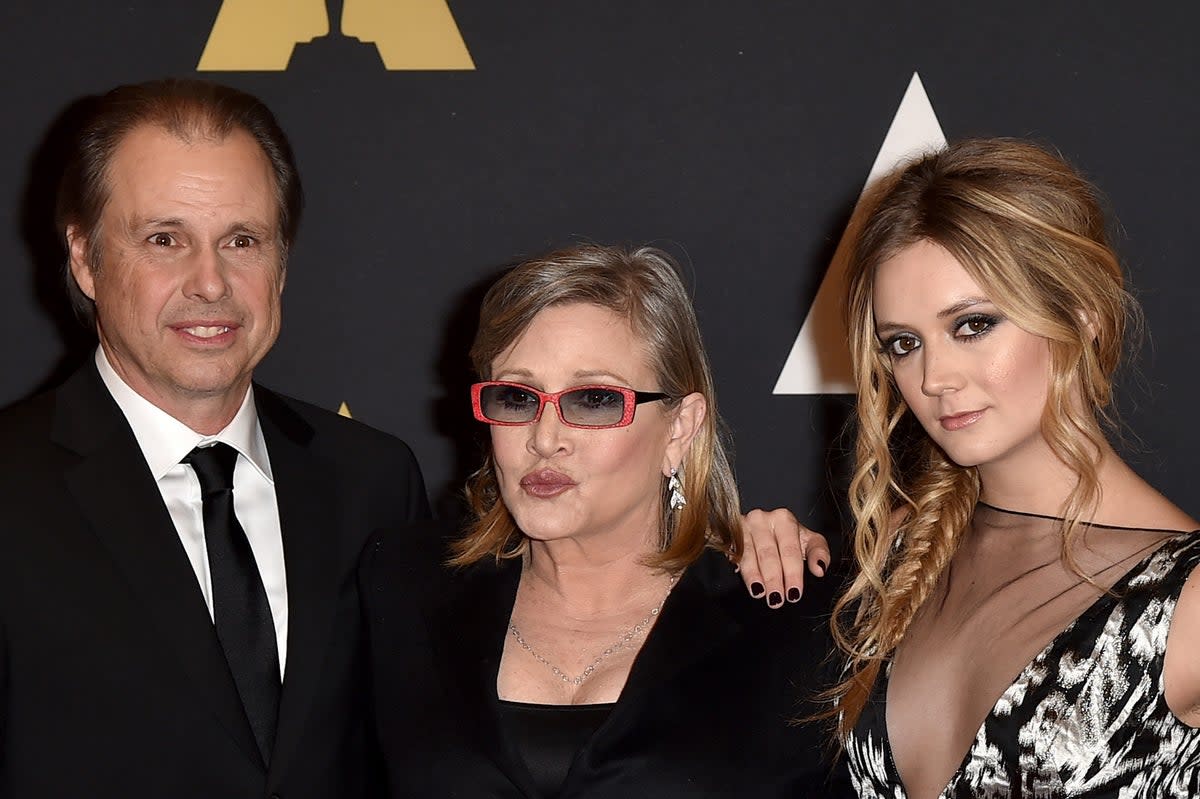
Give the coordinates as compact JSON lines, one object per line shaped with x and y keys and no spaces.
{"x":112,"y":681}
{"x":706,"y":711}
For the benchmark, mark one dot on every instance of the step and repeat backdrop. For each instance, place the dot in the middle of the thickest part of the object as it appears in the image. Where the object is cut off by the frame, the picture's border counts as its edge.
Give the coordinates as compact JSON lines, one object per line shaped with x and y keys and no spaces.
{"x":441,"y":141}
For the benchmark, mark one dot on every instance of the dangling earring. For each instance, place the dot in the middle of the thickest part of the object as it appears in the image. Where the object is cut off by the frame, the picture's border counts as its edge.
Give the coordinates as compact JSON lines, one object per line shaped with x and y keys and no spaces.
{"x":677,"y":499}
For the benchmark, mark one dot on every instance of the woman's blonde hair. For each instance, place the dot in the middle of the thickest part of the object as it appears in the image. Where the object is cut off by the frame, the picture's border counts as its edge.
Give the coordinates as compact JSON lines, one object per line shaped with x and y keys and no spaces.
{"x":642,"y":286}
{"x":1030,"y":231}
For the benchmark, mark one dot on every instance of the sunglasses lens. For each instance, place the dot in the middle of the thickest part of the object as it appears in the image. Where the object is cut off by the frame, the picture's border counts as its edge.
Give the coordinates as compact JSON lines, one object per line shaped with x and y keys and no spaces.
{"x":508,"y":404}
{"x":593,"y":407}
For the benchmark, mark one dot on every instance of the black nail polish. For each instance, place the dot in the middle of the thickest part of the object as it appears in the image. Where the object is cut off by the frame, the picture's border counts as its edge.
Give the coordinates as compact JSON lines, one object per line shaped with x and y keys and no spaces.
{"x":824,"y":566}
{"x":775,"y":599}
{"x":756,"y":589}
{"x":793,"y":594}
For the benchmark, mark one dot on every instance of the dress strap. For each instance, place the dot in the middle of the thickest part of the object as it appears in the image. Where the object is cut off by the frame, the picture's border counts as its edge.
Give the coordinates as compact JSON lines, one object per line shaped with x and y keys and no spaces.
{"x":1149,"y":598}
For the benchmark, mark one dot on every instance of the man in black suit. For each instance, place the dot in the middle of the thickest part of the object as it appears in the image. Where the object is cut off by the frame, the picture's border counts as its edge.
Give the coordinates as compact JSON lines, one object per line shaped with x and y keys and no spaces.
{"x":178,"y":614}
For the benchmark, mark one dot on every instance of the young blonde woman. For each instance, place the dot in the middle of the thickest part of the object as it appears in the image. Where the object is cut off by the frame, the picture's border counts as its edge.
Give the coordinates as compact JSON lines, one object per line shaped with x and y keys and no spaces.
{"x":1022,"y":622}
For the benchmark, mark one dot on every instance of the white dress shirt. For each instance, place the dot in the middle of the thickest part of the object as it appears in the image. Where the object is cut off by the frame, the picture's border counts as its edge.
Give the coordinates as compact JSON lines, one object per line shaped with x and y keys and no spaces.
{"x":165,"y":441}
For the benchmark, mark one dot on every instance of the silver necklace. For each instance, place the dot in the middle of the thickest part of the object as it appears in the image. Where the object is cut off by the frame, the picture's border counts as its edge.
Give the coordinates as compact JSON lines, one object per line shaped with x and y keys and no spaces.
{"x":625,"y":640}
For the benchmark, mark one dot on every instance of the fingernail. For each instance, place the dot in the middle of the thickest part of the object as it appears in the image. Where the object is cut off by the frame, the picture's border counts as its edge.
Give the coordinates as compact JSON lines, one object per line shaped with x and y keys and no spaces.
{"x":824,"y":567}
{"x":737,"y":568}
{"x":775,"y":599}
{"x":756,"y":589}
{"x":793,"y":594}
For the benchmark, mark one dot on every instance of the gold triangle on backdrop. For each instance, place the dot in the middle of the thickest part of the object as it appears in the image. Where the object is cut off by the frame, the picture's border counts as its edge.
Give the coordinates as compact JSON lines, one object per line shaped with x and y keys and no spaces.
{"x":409,"y":34}
{"x":260,"y":35}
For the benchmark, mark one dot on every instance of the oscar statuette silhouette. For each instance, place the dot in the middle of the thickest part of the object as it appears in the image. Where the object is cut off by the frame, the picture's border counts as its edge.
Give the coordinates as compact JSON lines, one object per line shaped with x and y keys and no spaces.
{"x":275,"y":35}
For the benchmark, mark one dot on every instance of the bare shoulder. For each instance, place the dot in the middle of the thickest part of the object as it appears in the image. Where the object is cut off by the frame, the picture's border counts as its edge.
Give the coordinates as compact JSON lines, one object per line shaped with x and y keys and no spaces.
{"x":1166,"y":515}
{"x":1163,"y":514}
{"x":1129,"y":501}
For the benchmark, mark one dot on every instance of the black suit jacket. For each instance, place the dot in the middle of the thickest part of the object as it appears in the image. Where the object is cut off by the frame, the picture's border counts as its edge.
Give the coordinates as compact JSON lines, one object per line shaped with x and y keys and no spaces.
{"x":706,"y":710}
{"x":112,"y":681}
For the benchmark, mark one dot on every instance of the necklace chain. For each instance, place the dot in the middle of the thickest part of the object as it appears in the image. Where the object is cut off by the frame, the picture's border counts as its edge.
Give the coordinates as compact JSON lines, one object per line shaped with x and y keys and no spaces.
{"x":625,"y":640}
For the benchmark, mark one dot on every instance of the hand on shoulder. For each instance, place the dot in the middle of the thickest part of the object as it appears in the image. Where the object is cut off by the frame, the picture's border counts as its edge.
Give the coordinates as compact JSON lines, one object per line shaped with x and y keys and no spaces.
{"x":776,"y":551}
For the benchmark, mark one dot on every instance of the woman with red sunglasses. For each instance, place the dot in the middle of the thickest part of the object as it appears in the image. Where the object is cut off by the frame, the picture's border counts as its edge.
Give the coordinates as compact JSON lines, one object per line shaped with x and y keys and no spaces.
{"x":589,"y":637}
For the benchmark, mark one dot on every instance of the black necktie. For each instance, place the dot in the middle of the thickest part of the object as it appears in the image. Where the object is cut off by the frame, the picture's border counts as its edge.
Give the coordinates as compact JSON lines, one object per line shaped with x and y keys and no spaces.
{"x":241,"y":612}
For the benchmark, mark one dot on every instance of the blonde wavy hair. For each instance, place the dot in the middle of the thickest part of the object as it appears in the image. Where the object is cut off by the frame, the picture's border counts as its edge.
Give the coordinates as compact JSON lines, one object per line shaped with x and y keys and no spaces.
{"x":1030,"y":231}
{"x":642,"y":286}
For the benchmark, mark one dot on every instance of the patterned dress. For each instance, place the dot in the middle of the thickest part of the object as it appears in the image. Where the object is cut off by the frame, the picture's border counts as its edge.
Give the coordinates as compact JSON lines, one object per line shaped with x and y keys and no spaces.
{"x":1086,"y":718}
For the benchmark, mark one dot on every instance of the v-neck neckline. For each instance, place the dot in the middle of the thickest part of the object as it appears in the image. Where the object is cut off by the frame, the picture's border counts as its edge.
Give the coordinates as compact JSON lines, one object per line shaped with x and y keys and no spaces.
{"x":1096,"y":607}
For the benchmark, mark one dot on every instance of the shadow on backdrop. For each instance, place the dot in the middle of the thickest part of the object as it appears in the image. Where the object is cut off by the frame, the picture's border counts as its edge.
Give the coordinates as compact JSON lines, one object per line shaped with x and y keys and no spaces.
{"x":831,"y":415}
{"x":47,"y":253}
{"x":451,"y":411}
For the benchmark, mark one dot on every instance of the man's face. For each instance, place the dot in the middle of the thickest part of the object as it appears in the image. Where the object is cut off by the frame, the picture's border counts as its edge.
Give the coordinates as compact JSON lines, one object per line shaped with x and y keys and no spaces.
{"x":190,"y":270}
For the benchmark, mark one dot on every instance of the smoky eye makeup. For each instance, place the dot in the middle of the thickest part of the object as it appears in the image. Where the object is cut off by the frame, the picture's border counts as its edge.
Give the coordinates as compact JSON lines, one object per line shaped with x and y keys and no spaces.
{"x":899,"y":345}
{"x":968,"y":327}
{"x":975,"y":325}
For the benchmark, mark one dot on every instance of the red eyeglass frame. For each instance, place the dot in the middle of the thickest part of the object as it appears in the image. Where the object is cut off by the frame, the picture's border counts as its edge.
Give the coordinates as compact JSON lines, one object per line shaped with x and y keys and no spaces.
{"x":632,"y":400}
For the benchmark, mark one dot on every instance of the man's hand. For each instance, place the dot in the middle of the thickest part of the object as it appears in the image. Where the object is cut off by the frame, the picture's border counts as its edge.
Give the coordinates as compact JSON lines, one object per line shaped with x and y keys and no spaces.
{"x":777,"y":549}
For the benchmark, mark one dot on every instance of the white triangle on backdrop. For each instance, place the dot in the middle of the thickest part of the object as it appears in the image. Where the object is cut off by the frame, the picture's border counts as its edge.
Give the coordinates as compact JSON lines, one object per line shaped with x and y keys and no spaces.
{"x":819,"y":362}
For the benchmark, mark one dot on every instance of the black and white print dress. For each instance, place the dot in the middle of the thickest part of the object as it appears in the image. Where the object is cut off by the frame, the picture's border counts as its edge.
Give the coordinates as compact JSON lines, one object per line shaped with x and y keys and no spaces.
{"x":1087,"y":717}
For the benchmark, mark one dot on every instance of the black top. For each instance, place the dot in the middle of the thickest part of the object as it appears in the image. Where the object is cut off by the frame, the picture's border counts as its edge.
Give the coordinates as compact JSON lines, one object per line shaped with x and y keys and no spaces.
{"x":549,"y":736}
{"x":707,"y":710}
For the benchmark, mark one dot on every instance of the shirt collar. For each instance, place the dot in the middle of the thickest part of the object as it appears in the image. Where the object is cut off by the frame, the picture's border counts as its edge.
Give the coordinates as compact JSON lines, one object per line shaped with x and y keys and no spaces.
{"x":165,"y":441}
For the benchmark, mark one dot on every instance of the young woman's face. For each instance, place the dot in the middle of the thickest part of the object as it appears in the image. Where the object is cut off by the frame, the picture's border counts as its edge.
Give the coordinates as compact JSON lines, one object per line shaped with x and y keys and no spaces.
{"x":976,"y":382}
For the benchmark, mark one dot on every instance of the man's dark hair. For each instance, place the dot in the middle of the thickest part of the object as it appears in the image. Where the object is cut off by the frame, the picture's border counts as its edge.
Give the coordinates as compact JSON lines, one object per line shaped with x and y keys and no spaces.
{"x":187,"y":108}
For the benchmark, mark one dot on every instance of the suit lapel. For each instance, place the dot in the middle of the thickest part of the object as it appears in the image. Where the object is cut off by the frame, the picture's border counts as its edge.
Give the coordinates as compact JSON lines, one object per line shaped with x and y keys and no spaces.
{"x":305,"y":486}
{"x":467,"y":636}
{"x":117,"y":494}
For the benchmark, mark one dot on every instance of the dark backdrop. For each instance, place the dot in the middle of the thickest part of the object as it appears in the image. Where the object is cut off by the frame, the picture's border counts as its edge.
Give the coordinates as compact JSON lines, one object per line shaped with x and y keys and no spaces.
{"x":736,"y":134}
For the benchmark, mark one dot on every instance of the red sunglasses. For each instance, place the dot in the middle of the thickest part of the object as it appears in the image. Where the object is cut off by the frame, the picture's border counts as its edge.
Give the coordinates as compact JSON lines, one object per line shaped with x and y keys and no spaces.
{"x":590,"y":407}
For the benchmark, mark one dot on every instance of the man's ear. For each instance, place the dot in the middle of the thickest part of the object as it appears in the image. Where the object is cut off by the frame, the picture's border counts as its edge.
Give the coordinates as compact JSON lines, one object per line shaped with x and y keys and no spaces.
{"x":684,"y":427}
{"x":77,"y":257}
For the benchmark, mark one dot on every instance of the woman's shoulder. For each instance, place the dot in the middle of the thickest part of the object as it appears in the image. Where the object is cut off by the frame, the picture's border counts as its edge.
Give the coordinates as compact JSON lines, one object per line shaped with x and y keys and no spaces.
{"x":414,"y":554}
{"x":1127,"y":500}
{"x":412,"y":562}
{"x":428,"y":537}
{"x":791,"y":620}
{"x":1177,"y":557}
